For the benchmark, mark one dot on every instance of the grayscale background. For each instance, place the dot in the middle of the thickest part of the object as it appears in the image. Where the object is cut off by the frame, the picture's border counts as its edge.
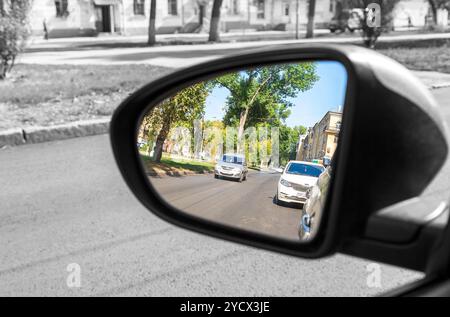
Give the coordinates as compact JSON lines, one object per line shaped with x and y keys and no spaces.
{"x":62,"y":200}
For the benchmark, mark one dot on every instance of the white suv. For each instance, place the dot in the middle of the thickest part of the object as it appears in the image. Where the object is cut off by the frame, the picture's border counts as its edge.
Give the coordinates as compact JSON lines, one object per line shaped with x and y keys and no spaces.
{"x":297,"y":178}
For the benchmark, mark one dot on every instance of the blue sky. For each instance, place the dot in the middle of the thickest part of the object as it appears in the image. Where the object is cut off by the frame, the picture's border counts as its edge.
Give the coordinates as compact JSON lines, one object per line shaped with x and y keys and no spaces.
{"x":328,"y":93}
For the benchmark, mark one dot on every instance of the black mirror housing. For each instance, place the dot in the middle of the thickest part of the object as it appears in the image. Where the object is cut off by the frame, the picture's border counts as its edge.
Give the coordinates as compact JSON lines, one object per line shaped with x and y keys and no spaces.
{"x":388,"y":115}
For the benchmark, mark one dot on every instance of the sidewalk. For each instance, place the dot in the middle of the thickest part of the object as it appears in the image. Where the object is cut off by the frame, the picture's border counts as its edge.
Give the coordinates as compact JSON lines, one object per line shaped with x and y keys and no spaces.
{"x":246,"y":39}
{"x":180,"y":38}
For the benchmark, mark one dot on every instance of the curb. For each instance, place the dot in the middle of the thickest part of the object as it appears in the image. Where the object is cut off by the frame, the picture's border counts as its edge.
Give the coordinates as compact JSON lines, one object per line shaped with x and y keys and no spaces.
{"x":31,"y":135}
{"x":12,"y":137}
{"x":438,"y":86}
{"x":177,"y":173}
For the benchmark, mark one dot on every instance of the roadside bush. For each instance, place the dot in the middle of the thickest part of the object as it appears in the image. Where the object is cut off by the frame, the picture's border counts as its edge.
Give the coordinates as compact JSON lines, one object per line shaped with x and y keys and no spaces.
{"x":14,"y":31}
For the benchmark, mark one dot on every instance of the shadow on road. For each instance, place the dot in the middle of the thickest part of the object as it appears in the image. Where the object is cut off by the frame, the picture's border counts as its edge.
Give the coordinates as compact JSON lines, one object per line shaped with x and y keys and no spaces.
{"x":280,"y":203}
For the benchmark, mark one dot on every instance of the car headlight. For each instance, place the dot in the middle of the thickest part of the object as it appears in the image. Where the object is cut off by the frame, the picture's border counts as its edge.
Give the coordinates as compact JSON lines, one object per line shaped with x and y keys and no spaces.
{"x":285,"y":183}
{"x":308,"y":192}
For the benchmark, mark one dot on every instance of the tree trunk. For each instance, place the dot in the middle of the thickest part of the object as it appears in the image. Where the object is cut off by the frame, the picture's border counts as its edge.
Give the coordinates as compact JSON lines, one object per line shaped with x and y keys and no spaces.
{"x":162,"y":135}
{"x":201,"y":14}
{"x":434,"y":8}
{"x":311,"y":13}
{"x":152,"y":24}
{"x":215,"y":19}
{"x":296,"y":18}
{"x":244,"y":114}
{"x":3,"y":68}
{"x":242,"y":120}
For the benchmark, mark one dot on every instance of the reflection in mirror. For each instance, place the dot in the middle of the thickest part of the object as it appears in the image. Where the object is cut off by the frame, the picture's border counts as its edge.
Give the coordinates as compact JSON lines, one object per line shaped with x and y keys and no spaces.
{"x":250,"y":149}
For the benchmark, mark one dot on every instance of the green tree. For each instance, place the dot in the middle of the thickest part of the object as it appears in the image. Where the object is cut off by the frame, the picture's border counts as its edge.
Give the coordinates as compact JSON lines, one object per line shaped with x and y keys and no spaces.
{"x":180,"y":110}
{"x":266,"y":110}
{"x":14,"y":32}
{"x":262,"y":94}
{"x":213,"y":134}
{"x":289,"y":138}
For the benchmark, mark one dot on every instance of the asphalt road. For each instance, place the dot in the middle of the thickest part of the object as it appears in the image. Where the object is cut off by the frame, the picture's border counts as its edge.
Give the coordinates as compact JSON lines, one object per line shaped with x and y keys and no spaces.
{"x":248,"y":205}
{"x":64,"y":202}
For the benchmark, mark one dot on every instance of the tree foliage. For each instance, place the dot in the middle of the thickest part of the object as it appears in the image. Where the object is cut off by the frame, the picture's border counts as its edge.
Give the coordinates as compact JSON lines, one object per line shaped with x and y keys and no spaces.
{"x":180,"y":110}
{"x":14,"y":32}
{"x":289,"y":138}
{"x":261,"y":95}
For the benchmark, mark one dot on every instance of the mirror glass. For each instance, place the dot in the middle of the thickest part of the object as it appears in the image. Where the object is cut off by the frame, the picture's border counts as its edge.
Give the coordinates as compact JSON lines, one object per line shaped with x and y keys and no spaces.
{"x":250,"y":149}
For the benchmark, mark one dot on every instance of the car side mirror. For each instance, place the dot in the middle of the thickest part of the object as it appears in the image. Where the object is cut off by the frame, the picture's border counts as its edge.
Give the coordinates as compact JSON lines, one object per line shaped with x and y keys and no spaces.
{"x":379,"y":117}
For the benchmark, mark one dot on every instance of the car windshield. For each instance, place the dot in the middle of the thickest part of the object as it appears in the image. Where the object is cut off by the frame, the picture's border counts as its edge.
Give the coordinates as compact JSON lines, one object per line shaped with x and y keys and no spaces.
{"x":232,"y":159}
{"x":304,"y":169}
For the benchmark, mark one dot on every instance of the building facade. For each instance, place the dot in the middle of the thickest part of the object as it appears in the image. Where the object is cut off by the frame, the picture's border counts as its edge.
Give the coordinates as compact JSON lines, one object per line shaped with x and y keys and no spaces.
{"x":64,"y":18}
{"x":321,"y":140}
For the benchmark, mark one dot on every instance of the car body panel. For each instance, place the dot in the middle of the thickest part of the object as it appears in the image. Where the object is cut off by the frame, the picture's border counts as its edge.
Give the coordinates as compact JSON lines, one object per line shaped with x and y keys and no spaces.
{"x":299,"y":184}
{"x":348,"y":19}
{"x":315,"y":203}
{"x":232,"y":170}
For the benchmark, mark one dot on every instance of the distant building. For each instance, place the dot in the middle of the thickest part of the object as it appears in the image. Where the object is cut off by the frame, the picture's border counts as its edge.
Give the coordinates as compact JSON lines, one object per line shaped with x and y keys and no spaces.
{"x":411,"y":13}
{"x":321,"y":139}
{"x":408,"y":13}
{"x":65,"y":18}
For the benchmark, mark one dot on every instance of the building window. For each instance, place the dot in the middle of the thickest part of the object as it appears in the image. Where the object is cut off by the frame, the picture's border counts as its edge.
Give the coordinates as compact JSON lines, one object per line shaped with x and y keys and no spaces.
{"x":139,"y":7}
{"x":172,"y":7}
{"x":286,"y":9}
{"x":260,"y":9}
{"x":331,"y":6}
{"x":61,"y":8}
